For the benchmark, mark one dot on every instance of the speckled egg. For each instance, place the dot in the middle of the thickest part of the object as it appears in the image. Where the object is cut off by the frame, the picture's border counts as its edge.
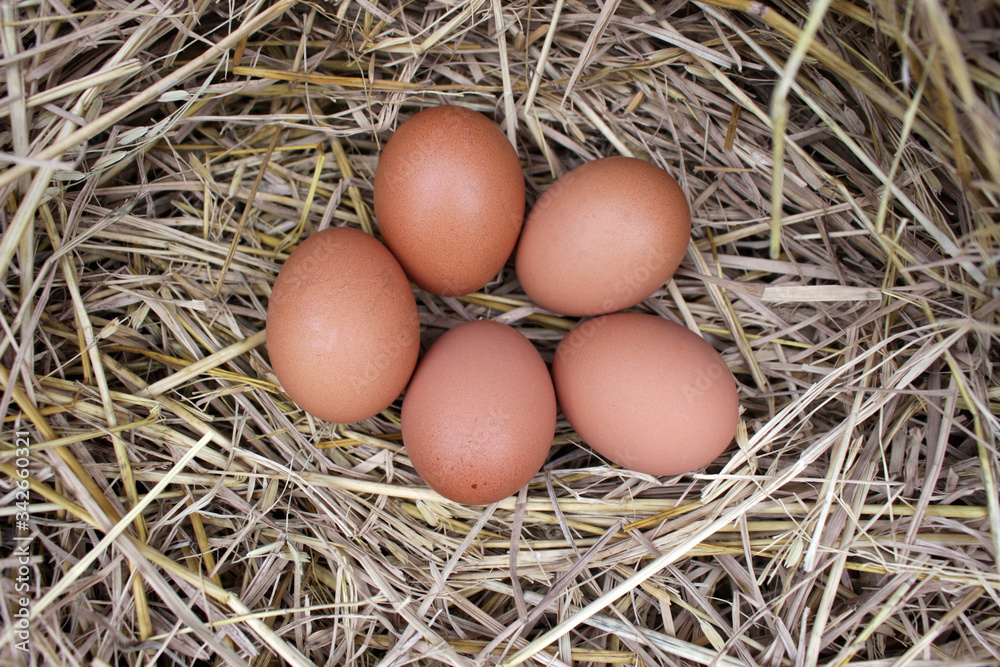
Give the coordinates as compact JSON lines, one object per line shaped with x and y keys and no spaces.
{"x":648,"y":394}
{"x":449,"y":199}
{"x":603,"y":237}
{"x":343,"y":333}
{"x":479,"y":414}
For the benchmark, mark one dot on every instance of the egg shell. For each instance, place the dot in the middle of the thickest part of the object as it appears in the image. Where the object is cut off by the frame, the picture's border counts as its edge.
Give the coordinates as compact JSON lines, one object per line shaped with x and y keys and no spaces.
{"x":449,"y":199}
{"x":603,"y":237}
{"x":343,"y":334}
{"x":646,"y":393}
{"x":480,"y":412}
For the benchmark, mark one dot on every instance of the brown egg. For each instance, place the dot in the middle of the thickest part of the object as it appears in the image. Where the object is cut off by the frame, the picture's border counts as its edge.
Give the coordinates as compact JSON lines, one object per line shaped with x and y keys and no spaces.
{"x":603,"y":237}
{"x":343,"y":333}
{"x":449,"y":198}
{"x":646,"y":393}
{"x":480,"y":413}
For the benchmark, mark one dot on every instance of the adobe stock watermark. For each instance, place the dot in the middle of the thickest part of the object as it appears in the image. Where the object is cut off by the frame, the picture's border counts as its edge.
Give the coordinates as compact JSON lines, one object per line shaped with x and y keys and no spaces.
{"x":22,"y":546}
{"x":706,"y":378}
{"x":394,"y":351}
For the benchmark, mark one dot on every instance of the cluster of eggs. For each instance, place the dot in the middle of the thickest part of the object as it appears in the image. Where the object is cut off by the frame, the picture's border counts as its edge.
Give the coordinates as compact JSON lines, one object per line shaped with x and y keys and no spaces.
{"x":479,"y":412}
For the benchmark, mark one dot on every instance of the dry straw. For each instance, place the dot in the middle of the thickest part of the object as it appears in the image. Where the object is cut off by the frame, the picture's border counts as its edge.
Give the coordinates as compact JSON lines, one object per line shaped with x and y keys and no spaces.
{"x":162,"y":158}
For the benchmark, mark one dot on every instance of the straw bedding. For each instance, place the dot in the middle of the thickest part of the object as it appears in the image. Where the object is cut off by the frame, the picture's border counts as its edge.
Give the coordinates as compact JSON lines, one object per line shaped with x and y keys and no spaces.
{"x":162,"y":158}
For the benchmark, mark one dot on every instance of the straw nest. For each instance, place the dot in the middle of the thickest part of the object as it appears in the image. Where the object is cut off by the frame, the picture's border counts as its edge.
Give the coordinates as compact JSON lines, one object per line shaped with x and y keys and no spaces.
{"x":162,"y":158}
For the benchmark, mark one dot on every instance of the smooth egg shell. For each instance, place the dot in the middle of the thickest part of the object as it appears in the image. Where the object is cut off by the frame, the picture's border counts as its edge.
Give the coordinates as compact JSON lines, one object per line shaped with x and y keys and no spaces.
{"x":343,"y":333}
{"x":480,"y":412}
{"x":449,"y":199}
{"x":603,"y":237}
{"x":646,"y":393}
